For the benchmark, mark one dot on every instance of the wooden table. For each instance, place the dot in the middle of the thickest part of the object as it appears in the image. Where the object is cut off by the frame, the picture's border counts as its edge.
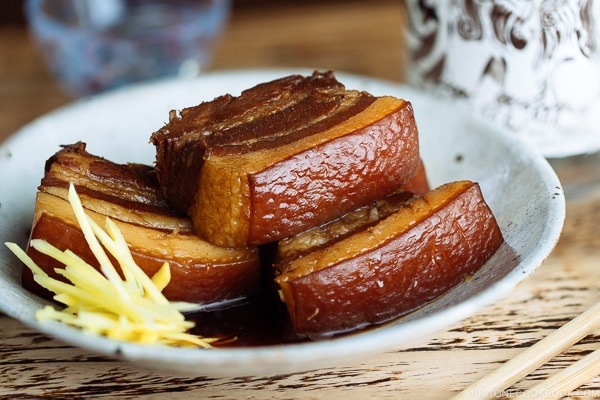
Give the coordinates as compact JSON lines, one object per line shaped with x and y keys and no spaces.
{"x":358,"y":37}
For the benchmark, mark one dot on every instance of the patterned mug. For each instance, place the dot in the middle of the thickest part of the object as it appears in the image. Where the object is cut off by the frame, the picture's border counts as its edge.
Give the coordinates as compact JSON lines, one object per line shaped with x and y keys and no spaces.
{"x":532,"y":66}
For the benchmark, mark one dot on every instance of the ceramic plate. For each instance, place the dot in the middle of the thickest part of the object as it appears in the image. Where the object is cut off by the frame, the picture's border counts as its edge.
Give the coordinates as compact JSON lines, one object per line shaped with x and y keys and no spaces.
{"x":519,"y":185}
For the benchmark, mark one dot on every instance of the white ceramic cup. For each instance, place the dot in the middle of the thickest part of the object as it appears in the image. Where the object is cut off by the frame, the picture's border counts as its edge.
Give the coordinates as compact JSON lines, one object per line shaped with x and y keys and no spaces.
{"x":532,"y":66}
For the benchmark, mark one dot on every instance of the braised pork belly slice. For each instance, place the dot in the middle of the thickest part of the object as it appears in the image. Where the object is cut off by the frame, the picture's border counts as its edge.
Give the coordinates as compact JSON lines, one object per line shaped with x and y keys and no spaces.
{"x":389,"y":264}
{"x":130,"y":195}
{"x":283,"y":157}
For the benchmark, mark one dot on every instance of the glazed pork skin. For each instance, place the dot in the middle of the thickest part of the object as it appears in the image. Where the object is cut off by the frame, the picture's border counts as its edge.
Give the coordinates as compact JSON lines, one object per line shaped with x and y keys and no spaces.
{"x":377,"y":271}
{"x":283,"y":157}
{"x":129,"y":194}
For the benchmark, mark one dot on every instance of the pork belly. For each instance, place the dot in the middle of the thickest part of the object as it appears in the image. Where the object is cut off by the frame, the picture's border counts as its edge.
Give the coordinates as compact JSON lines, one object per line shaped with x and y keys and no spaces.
{"x":284,"y":156}
{"x":130,"y":195}
{"x":385,"y":260}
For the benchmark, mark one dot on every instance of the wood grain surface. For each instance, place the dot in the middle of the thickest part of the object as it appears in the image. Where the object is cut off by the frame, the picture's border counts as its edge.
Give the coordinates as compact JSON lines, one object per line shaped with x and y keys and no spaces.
{"x":359,"y":37}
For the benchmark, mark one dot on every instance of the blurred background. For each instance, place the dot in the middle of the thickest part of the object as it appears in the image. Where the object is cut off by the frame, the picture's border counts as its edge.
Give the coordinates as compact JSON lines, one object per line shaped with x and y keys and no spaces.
{"x":335,"y":34}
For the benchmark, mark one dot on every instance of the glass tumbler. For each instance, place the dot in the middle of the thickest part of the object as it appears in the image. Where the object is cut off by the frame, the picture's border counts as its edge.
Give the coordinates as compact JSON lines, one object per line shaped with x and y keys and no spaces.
{"x":94,"y":45}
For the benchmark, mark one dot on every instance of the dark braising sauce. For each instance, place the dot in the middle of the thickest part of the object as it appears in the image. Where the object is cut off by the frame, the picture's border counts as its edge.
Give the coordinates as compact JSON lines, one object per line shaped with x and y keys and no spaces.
{"x":260,"y":322}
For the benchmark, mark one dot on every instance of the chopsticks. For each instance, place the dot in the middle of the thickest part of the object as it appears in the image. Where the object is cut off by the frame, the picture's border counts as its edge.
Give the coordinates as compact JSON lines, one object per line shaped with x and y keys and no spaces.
{"x":566,"y":380}
{"x":493,"y":385}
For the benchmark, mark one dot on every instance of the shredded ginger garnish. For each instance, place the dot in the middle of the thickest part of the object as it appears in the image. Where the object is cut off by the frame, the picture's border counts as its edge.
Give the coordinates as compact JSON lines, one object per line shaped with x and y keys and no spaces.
{"x":131,"y":308}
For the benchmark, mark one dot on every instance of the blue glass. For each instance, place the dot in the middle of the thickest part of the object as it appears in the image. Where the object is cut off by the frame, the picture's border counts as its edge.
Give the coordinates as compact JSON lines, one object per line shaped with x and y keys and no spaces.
{"x":95,"y":45}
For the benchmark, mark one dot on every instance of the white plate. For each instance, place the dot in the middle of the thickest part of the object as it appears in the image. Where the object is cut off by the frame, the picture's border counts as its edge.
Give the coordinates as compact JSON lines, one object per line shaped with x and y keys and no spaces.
{"x":517,"y":182}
